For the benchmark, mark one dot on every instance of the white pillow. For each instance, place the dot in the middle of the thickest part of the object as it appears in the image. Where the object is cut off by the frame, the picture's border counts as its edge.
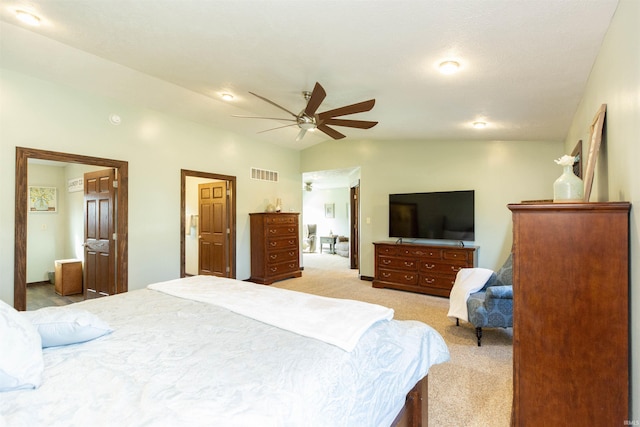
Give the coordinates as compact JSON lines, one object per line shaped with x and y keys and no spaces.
{"x":66,"y":325}
{"x":21,"y":362}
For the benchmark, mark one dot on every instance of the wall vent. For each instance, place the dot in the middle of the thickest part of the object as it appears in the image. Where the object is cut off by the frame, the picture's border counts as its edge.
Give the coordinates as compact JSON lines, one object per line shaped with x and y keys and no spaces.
{"x":264,"y":175}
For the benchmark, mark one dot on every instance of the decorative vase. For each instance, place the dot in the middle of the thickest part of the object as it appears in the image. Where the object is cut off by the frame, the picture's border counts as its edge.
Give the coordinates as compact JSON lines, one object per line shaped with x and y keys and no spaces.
{"x":278,"y":205}
{"x":568,"y":187}
{"x":270,"y":208}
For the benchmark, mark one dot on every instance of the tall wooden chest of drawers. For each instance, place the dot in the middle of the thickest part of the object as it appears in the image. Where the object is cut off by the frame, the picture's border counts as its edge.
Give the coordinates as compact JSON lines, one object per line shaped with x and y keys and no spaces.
{"x":571,"y":314}
{"x":427,"y":269}
{"x":275,"y":247}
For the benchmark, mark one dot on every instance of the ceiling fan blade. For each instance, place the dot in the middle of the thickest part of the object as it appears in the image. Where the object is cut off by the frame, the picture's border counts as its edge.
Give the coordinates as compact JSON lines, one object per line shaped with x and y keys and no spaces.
{"x":317,"y":96}
{"x":301,"y":134}
{"x":360,"y":107}
{"x":273,"y":103}
{"x":331,"y":132}
{"x":279,"y":127}
{"x":259,"y":117}
{"x":360,"y":124}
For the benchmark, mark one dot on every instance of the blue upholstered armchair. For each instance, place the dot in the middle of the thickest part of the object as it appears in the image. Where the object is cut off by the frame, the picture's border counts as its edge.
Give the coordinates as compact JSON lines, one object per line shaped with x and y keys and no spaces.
{"x":492,"y":306}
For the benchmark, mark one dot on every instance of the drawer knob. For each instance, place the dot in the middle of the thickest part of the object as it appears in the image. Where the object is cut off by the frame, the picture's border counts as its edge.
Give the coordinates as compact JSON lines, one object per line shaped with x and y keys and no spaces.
{"x":429,"y":281}
{"x":386,"y":261}
{"x":273,"y":231}
{"x":408,"y":277}
{"x":454,"y":268}
{"x":386,"y":275}
{"x":430,"y":266}
{"x":408,"y":263}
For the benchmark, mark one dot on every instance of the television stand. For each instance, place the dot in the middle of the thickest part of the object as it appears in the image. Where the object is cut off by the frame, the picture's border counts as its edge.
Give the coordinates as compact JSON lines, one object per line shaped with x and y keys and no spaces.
{"x":426,"y":269}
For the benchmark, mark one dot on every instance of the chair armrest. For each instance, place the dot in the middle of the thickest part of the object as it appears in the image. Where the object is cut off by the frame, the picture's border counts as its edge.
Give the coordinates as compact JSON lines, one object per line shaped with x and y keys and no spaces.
{"x":500,"y":292}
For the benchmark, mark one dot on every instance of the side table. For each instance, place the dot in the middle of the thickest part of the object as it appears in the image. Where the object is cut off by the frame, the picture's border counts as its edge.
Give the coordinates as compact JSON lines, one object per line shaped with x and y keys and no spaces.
{"x":329,"y":240}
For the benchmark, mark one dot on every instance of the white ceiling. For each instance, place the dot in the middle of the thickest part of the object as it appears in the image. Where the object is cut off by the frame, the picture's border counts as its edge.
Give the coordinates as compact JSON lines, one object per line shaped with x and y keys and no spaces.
{"x":525,"y":62}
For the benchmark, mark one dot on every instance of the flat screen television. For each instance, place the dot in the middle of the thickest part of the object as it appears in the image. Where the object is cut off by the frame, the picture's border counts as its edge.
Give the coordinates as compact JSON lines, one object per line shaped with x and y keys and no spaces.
{"x":445,"y":215}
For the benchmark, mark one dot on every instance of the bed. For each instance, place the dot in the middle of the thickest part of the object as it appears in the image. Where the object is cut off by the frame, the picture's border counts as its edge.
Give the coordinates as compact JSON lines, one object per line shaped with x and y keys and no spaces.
{"x":193,"y":352}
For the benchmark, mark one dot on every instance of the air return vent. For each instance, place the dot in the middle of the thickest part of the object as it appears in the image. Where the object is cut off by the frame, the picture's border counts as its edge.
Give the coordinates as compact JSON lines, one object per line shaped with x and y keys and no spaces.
{"x":264,"y":175}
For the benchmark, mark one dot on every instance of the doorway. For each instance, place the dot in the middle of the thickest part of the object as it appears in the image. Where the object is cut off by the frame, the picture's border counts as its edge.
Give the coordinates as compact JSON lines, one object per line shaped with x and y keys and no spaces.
{"x":190,"y":223}
{"x":331,"y":206}
{"x":23,"y":155}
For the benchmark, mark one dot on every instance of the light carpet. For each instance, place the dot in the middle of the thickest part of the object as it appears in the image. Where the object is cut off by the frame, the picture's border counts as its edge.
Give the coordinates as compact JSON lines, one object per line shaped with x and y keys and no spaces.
{"x":474,"y":388}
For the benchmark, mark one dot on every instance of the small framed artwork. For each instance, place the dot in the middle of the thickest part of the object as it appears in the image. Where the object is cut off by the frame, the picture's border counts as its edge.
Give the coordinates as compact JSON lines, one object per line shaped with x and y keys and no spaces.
{"x":43,"y":199}
{"x":75,"y":184}
{"x":577,"y":163}
{"x":329,"y":210}
{"x":595,"y":138}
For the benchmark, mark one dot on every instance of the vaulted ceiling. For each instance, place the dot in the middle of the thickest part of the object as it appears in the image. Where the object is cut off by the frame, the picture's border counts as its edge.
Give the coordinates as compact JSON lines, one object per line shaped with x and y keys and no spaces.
{"x":524,"y":63}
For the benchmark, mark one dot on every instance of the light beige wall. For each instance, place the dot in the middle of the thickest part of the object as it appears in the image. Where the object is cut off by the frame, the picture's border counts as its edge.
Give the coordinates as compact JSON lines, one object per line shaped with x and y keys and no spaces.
{"x":47,"y":116}
{"x":313,"y":211}
{"x":59,"y":235}
{"x":615,"y":81}
{"x":500,"y":172}
{"x":46,"y":239}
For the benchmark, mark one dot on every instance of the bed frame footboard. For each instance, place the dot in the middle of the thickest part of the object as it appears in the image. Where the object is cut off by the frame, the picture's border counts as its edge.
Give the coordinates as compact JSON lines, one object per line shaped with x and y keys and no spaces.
{"x":415,"y":412}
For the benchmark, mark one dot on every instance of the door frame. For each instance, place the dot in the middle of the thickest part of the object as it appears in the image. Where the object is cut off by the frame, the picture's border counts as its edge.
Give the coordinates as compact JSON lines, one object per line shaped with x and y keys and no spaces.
{"x":22,"y":202}
{"x":184,"y":173}
{"x":354,"y":226}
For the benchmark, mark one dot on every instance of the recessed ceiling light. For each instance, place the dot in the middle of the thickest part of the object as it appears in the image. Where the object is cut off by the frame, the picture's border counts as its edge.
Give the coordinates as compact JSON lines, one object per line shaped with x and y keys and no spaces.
{"x":27,"y":18}
{"x":449,"y":67}
{"x":479,"y":125}
{"x":227,"y":97}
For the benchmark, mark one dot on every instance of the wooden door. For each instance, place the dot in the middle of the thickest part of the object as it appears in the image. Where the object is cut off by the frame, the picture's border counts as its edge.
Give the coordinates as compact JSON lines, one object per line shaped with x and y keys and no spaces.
{"x":354,"y":239}
{"x":99,"y":233}
{"x":213,"y":233}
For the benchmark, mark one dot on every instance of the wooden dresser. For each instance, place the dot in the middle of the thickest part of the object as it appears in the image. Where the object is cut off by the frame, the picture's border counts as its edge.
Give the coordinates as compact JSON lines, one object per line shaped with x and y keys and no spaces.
{"x":275,"y":247}
{"x":571,"y":314}
{"x":68,"y":274}
{"x":427,"y":269}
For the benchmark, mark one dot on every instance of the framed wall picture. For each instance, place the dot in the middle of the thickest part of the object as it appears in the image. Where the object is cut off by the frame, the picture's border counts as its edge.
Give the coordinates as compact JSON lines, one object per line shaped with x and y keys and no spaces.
{"x":329,"y":210}
{"x":75,"y":184}
{"x":595,"y":139}
{"x":43,"y":199}
{"x":577,"y":155}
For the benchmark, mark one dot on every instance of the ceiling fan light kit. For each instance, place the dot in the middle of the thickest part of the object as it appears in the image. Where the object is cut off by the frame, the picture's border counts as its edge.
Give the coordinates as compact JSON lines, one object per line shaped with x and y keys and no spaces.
{"x":309,"y":120}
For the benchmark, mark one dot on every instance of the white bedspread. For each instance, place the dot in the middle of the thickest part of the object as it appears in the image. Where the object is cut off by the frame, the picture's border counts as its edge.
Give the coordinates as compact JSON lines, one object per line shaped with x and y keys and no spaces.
{"x":340,"y":322}
{"x":468,"y":281}
{"x":177,"y":362}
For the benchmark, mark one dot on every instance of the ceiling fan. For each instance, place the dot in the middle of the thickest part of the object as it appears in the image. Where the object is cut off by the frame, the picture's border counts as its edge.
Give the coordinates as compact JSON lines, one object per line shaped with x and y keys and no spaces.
{"x":308,"y":119}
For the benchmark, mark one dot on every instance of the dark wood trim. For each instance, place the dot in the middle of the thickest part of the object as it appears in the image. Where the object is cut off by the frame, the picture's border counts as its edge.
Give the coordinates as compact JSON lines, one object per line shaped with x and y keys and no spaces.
{"x":22,"y":202}
{"x":415,"y":412}
{"x":184,"y":173}
{"x":367,"y":278}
